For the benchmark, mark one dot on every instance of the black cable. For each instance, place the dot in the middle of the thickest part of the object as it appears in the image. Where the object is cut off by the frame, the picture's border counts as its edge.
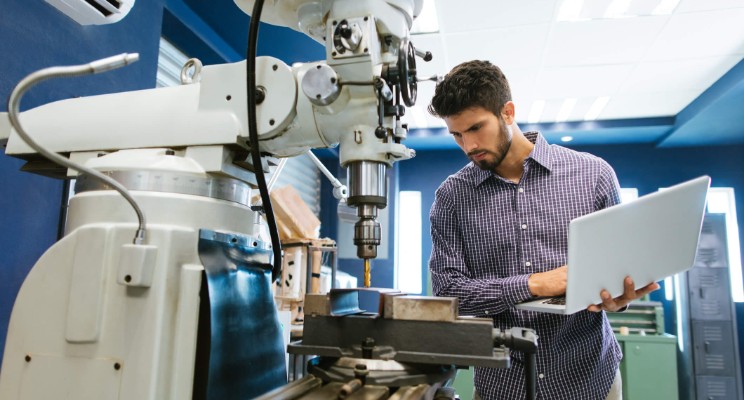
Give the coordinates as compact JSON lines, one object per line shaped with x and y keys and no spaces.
{"x":250,"y":61}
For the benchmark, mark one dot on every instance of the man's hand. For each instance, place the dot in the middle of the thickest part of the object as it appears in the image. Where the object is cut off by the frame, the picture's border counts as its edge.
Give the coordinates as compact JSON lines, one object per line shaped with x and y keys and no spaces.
{"x":549,"y":283}
{"x":630,"y":294}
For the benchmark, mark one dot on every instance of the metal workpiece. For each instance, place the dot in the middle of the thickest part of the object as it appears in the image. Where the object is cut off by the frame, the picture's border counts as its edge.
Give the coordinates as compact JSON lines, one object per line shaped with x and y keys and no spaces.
{"x":343,"y":303}
{"x":419,"y":308}
{"x":320,"y":85}
{"x":172,"y":182}
{"x":339,"y":302}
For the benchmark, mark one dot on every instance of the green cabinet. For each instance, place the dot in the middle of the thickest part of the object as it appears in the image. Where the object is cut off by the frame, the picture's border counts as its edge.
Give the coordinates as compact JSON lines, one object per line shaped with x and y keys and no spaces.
{"x":649,"y":367}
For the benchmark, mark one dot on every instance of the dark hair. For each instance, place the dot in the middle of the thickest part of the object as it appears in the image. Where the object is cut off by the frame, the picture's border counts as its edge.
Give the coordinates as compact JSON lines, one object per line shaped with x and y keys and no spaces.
{"x":471,"y":84}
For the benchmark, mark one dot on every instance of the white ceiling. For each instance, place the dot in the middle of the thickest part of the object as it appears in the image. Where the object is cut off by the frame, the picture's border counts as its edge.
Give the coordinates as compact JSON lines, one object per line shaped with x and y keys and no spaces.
{"x":648,"y":65}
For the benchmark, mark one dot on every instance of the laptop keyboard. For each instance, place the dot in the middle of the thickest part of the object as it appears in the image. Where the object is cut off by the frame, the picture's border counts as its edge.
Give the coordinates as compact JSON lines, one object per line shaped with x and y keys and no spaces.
{"x":561,"y":301}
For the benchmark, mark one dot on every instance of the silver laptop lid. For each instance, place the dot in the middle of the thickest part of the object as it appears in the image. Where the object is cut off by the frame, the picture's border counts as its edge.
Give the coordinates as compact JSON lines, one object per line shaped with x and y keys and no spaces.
{"x":651,"y":238}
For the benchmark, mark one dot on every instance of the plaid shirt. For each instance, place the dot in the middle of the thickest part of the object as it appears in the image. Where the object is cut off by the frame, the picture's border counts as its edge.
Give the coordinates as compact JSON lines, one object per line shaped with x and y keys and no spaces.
{"x":489,"y":235}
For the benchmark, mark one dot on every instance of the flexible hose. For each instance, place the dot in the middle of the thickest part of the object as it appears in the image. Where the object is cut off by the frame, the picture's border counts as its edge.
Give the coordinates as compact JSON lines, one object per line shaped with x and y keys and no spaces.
{"x":102,"y":65}
{"x":250,"y":61}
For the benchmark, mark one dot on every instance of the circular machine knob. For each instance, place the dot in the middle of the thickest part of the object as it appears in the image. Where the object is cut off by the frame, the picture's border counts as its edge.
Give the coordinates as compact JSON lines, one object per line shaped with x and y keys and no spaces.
{"x":320,"y":85}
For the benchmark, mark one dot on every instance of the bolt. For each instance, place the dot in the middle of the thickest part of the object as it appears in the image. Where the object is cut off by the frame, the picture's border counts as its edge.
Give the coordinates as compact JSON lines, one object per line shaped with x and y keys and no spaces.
{"x":27,"y":358}
{"x":117,"y":366}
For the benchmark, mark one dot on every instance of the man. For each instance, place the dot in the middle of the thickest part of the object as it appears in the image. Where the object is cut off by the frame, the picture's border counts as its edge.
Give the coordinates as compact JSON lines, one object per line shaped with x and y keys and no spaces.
{"x":499,"y":231}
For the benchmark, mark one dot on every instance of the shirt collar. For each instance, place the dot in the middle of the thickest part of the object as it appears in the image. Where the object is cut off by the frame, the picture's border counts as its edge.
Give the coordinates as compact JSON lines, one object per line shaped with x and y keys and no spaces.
{"x":540,"y":154}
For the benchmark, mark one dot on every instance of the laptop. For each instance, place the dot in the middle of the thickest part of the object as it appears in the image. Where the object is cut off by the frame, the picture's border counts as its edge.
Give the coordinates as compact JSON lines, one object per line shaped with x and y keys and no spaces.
{"x":651,"y":238}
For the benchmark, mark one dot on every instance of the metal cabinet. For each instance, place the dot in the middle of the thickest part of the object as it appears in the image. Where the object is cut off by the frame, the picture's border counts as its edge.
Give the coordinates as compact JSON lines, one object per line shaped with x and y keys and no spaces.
{"x":709,"y":355}
{"x":649,"y":367}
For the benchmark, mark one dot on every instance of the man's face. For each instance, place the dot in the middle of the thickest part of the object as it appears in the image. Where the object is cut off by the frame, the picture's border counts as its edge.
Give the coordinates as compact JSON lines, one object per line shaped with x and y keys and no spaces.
{"x":484,"y":137}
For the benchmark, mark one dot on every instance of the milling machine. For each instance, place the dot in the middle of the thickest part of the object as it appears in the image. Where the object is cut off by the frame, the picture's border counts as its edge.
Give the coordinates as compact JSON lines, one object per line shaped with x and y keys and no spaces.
{"x":184,"y":310}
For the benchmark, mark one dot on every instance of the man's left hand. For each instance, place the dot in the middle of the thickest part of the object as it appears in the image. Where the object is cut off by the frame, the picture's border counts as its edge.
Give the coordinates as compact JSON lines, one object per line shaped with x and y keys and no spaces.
{"x":630,"y":294}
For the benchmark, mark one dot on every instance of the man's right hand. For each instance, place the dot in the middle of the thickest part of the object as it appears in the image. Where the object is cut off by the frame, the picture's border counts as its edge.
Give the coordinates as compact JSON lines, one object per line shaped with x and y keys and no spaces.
{"x":550,"y":283}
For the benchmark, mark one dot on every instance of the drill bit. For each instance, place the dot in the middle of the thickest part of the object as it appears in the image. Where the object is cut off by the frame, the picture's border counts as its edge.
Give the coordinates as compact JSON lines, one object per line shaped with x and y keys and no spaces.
{"x":367,"y":273}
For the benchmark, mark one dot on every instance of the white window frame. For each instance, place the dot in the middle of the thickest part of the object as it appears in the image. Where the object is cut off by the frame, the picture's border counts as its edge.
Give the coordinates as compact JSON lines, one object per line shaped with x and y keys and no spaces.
{"x":408,"y":252}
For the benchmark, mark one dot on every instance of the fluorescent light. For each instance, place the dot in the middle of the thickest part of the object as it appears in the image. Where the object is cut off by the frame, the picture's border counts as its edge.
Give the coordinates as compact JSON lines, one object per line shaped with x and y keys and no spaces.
{"x":536,"y":111}
{"x":617,"y":9}
{"x":408,"y":266}
{"x":665,"y":7}
{"x":427,"y":21}
{"x":566,"y":138}
{"x":678,"y":312}
{"x":570,"y":10}
{"x":566,"y":108}
{"x":669,"y":288}
{"x":721,"y":200}
{"x":596,"y":108}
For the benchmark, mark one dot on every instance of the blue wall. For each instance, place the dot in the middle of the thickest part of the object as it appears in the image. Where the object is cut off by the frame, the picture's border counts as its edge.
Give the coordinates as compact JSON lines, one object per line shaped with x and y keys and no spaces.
{"x":641,"y":166}
{"x":34,"y":36}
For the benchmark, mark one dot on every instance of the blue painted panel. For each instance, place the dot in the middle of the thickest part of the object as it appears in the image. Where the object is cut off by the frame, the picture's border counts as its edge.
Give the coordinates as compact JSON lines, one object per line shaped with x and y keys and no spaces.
{"x":217,"y":32}
{"x":715,"y":117}
{"x":720,"y":123}
{"x":194,"y":37}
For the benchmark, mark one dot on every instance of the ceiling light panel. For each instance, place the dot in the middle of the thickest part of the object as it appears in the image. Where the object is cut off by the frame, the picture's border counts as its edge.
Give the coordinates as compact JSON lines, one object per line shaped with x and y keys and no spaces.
{"x":475,"y":15}
{"x":581,"y":82}
{"x":518,"y":46}
{"x":701,"y":34}
{"x":608,"y":41}
{"x":663,"y":76}
{"x":686,"y":6}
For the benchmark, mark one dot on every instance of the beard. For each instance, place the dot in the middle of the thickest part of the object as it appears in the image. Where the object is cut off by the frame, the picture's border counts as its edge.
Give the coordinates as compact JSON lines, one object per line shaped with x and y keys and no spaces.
{"x":494,"y":158}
